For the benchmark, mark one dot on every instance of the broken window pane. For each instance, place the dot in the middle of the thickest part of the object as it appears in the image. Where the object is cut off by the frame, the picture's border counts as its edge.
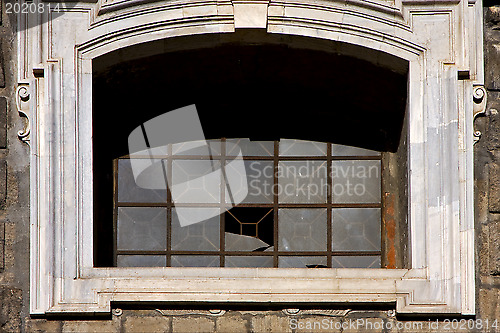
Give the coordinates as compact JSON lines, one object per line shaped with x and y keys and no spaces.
{"x":249,"y":229}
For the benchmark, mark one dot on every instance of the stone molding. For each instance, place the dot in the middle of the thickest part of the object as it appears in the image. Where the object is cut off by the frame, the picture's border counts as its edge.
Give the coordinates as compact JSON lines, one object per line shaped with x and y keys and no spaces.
{"x":441,"y":280}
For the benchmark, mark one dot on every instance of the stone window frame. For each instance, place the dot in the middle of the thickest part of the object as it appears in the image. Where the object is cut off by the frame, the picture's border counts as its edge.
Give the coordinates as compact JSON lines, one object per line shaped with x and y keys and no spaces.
{"x":54,"y":82}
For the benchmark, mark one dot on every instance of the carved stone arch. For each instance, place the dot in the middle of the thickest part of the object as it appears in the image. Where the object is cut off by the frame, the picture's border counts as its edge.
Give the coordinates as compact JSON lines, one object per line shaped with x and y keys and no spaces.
{"x":55,"y":60}
{"x":380,"y":27}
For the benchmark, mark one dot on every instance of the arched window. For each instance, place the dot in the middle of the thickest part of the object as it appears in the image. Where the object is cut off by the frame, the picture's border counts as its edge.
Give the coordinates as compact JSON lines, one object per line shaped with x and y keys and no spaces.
{"x":381,"y":76}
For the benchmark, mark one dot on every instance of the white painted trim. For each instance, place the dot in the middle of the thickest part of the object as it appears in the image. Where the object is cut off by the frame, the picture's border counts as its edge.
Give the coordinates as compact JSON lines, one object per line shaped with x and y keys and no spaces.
{"x":441,"y":279}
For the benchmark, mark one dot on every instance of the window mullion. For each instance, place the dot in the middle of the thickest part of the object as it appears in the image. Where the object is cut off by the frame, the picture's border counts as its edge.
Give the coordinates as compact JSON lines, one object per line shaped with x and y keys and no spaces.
{"x":222,"y":206}
{"x":329,"y":200}
{"x":169,"y":206}
{"x":275,"y":201}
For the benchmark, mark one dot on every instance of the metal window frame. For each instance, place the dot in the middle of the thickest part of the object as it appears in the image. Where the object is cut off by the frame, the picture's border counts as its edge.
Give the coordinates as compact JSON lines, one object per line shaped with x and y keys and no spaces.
{"x":275,"y":206}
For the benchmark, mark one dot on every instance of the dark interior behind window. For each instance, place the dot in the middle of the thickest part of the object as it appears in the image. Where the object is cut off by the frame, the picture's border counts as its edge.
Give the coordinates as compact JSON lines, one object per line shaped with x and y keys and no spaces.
{"x":262,"y":91}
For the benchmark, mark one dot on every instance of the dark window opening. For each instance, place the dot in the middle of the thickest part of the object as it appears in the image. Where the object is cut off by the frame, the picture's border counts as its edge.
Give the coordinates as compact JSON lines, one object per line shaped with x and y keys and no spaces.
{"x":263,"y":91}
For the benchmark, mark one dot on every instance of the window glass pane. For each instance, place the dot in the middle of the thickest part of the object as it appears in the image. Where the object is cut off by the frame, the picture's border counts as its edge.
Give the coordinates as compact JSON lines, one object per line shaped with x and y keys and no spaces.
{"x":236,"y":242}
{"x":302,"y":229}
{"x":260,"y":177}
{"x":302,"y":182}
{"x":249,"y":261}
{"x":141,"y":261}
{"x":250,"y":148}
{"x":249,"y":229}
{"x":201,"y":236}
{"x":356,"y":229}
{"x":340,"y":150}
{"x":129,"y":191}
{"x":142,"y":228}
{"x":197,"y":148}
{"x":196,"y":181}
{"x":195,"y":261}
{"x":302,"y":148}
{"x":301,"y":262}
{"x":356,"y":262}
{"x":356,"y":181}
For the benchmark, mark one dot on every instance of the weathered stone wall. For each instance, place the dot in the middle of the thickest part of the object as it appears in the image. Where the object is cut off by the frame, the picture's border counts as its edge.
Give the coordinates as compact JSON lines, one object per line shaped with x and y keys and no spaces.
{"x":14,"y":194}
{"x":487,"y":174}
{"x":14,"y":240}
